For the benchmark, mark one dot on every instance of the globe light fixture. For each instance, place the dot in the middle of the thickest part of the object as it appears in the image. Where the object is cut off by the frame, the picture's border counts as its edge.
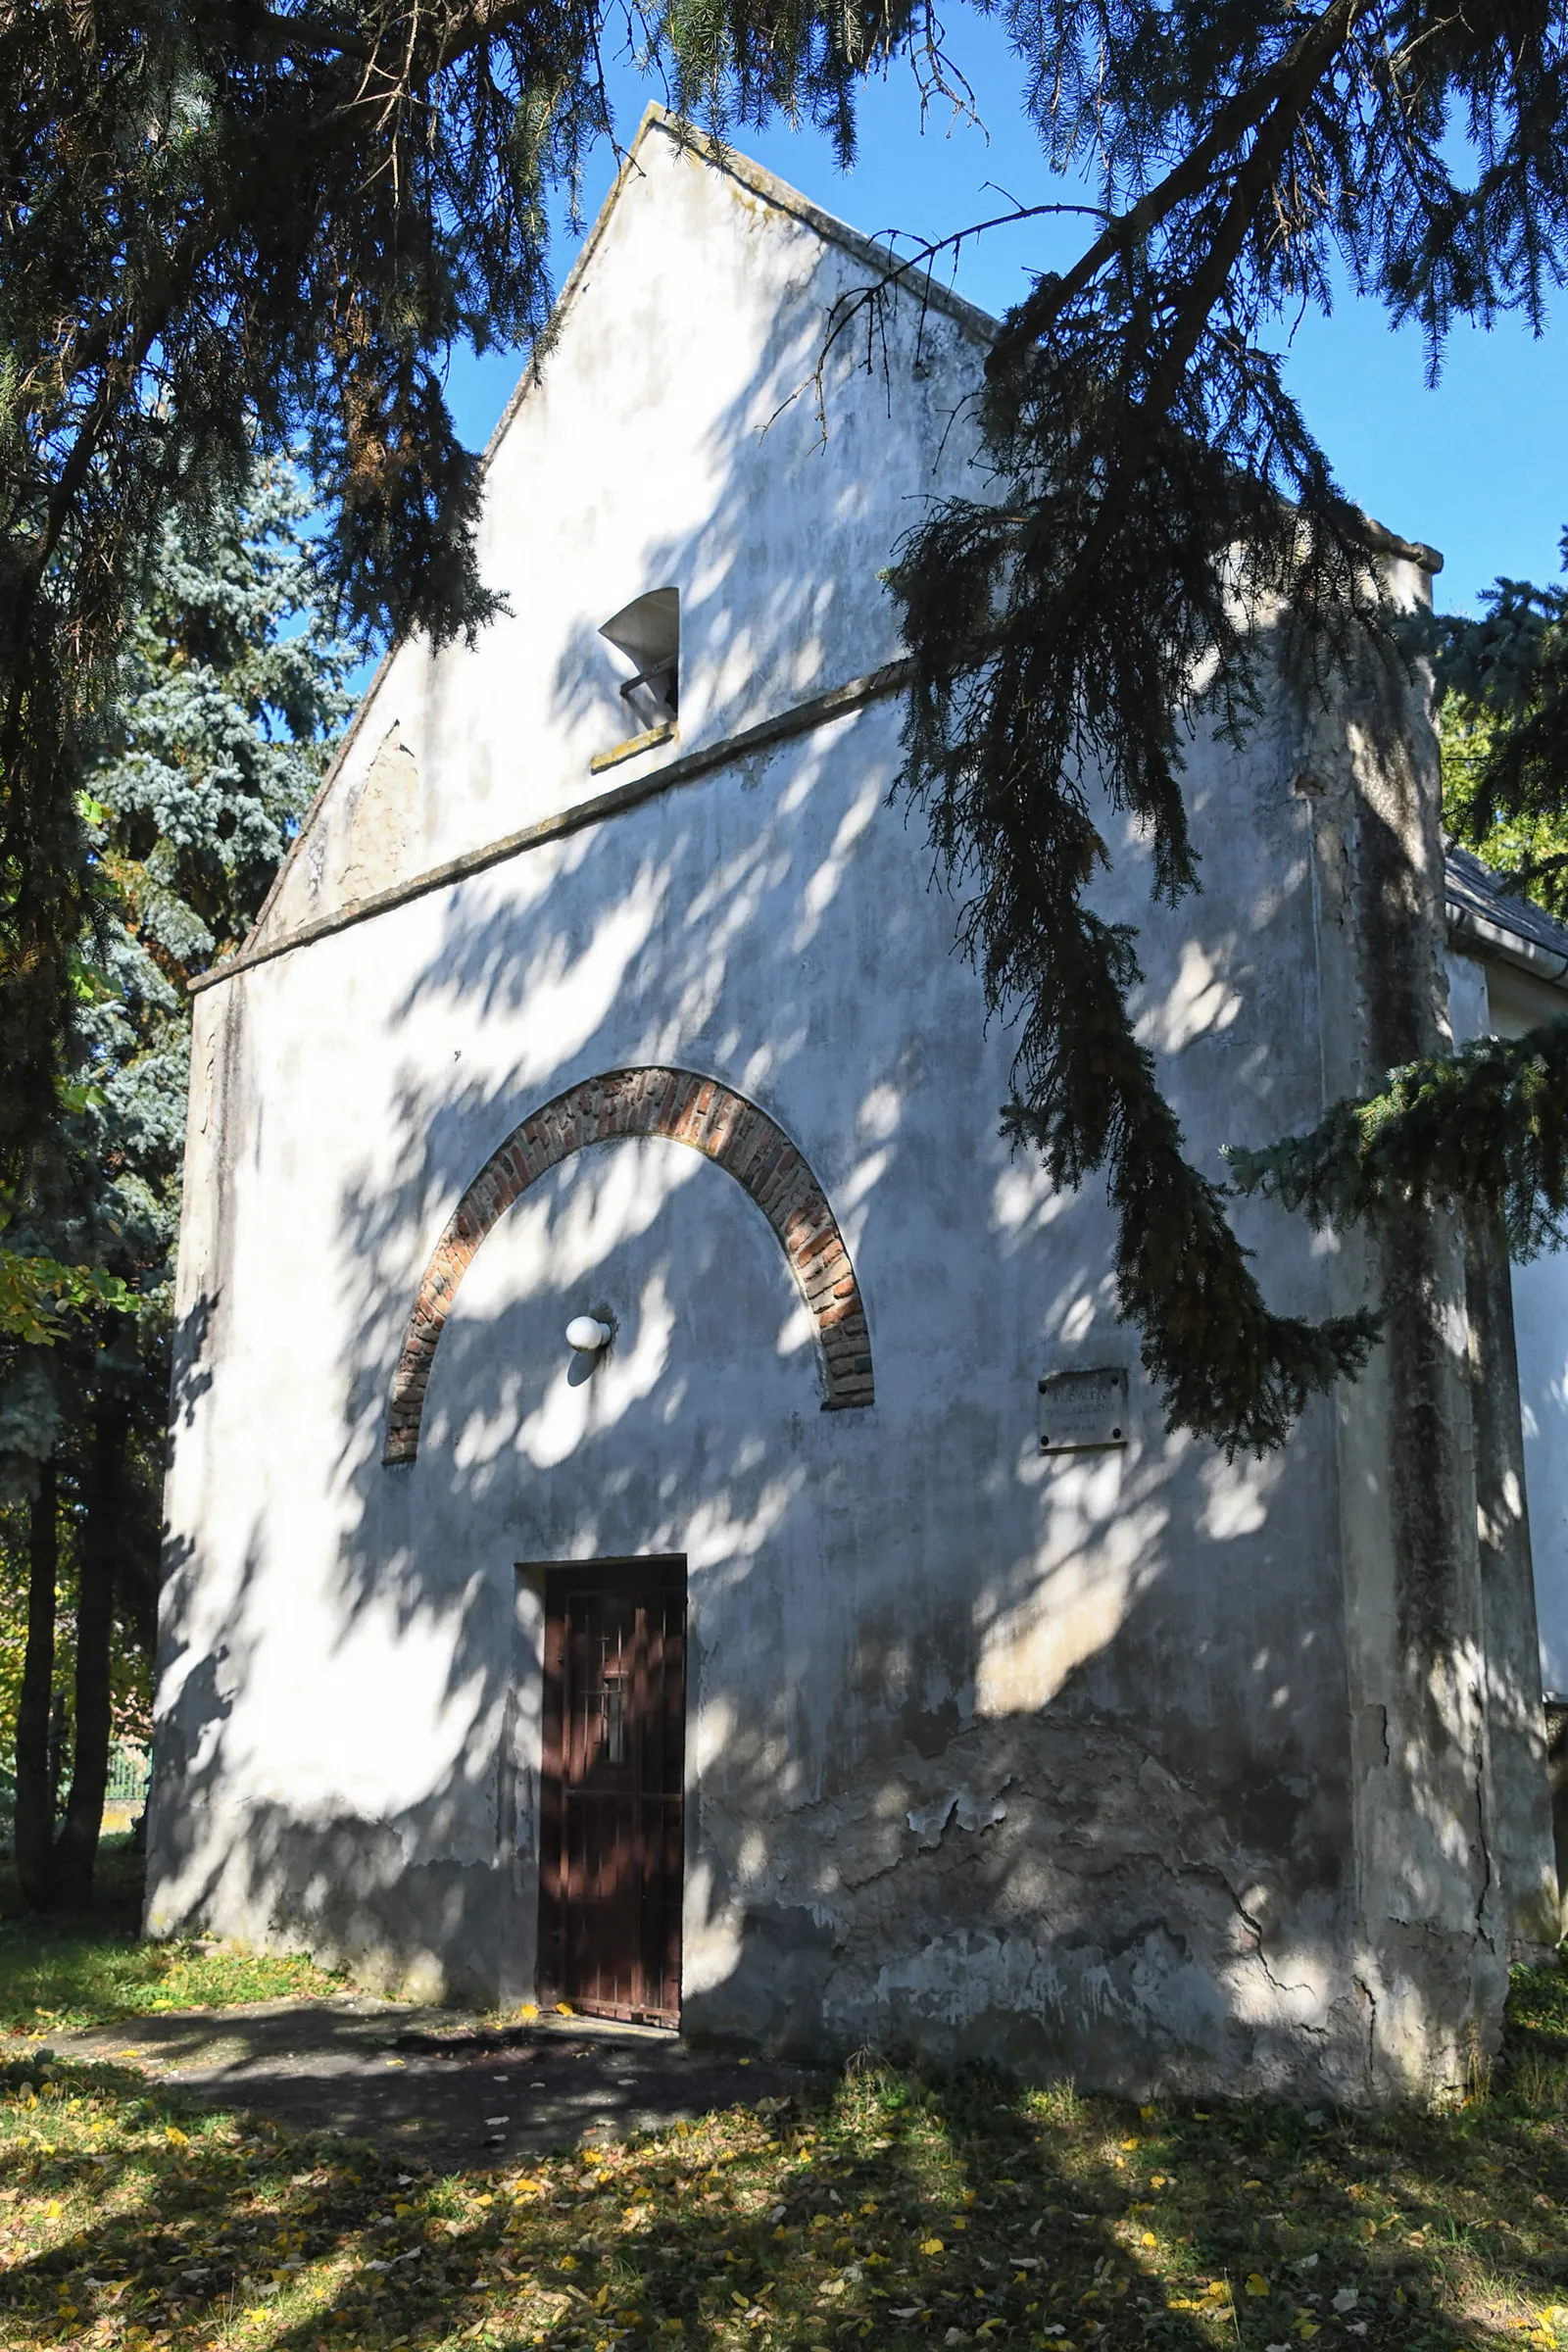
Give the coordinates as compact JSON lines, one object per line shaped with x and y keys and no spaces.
{"x":587,"y":1334}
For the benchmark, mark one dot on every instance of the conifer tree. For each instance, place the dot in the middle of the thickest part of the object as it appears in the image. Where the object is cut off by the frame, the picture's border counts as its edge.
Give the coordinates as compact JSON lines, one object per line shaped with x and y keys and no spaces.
{"x":1486,"y":1132}
{"x":1503,"y":680}
{"x":229,"y":691}
{"x":230,"y":226}
{"x":1158,"y":495}
{"x":227,"y":223}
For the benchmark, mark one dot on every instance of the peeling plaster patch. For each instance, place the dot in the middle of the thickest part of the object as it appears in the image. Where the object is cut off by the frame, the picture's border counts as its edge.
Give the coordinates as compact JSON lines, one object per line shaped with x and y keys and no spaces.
{"x":962,"y":1809}
{"x":1102,"y":1920}
{"x":383,"y":818}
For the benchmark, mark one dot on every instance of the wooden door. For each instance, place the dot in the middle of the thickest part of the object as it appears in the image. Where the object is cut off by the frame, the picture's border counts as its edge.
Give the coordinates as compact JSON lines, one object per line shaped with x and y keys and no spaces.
{"x":614,"y":1745}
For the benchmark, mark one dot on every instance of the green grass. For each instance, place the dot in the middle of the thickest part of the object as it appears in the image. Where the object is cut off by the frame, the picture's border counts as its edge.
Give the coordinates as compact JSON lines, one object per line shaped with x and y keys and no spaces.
{"x":70,"y":1968}
{"x":893,"y":2208}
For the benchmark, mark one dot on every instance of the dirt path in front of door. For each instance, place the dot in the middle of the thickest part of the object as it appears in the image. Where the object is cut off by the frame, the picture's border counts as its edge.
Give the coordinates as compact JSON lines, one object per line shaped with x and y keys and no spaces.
{"x":455,"y":2095}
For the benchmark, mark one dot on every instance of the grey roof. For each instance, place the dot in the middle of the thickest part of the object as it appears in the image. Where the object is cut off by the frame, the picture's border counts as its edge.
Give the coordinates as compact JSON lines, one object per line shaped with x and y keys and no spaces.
{"x":1481,"y":911}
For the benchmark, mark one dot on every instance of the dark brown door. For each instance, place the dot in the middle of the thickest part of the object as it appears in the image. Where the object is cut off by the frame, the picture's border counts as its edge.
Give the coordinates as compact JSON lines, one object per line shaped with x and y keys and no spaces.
{"x":614,"y":1745}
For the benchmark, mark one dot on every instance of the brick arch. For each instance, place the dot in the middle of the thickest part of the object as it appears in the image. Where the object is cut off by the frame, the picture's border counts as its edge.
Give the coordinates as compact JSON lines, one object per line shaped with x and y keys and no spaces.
{"x":687,"y":1108}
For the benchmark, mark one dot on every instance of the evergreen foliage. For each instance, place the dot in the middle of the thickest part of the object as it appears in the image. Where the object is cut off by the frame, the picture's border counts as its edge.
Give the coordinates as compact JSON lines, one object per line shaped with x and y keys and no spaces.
{"x":209,"y":751}
{"x":1505,"y":725}
{"x":229,"y":225}
{"x":1484,"y":1133}
{"x":233,"y":225}
{"x":1163,"y":524}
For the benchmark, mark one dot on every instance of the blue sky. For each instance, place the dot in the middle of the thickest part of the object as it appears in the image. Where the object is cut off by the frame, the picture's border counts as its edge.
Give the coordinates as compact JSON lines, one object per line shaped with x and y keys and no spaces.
{"x":1478,"y":467}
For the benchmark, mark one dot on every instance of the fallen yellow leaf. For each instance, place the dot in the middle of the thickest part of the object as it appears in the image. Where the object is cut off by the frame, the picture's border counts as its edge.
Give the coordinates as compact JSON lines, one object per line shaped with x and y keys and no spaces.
{"x":931,"y":2245}
{"x":1150,"y":2240}
{"x":1256,"y":2284}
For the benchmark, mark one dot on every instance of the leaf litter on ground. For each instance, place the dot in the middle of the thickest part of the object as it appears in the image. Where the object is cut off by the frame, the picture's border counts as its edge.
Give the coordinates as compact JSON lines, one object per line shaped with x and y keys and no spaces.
{"x":898,"y":2209}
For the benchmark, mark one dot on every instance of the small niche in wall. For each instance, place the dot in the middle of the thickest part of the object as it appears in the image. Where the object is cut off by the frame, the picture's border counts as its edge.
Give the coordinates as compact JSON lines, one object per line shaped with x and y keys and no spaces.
{"x":646,"y":637}
{"x":1080,"y":1411}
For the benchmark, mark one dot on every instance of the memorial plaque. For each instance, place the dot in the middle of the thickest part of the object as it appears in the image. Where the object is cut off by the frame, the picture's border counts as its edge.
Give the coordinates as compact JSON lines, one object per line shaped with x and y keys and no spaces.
{"x":1079,"y":1410}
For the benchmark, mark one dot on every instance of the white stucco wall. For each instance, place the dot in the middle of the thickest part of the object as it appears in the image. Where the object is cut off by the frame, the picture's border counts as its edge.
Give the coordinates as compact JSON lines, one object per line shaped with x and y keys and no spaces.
{"x":882,"y":1601}
{"x":1049,"y":1760}
{"x":674,"y":437}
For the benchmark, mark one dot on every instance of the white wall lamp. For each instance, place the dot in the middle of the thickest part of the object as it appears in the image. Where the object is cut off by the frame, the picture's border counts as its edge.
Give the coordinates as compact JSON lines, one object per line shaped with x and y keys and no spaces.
{"x":587,"y":1334}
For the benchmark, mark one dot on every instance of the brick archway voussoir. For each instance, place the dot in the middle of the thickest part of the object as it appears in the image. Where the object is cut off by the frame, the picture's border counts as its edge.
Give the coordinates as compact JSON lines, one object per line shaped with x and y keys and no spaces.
{"x":684,"y":1108}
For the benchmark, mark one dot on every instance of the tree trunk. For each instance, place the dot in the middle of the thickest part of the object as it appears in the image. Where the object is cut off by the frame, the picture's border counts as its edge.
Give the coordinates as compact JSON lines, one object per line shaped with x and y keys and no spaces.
{"x":57,"y":1751}
{"x":35,"y":1812}
{"x":76,"y":1849}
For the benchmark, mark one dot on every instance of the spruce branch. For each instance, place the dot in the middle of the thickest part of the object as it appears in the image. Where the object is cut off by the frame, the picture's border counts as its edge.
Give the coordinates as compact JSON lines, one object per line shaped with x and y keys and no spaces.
{"x":1485,"y":1131}
{"x":1142,"y":533}
{"x":1282,"y":92}
{"x":1164,"y":529}
{"x":242,"y":226}
{"x":1505,"y":679}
